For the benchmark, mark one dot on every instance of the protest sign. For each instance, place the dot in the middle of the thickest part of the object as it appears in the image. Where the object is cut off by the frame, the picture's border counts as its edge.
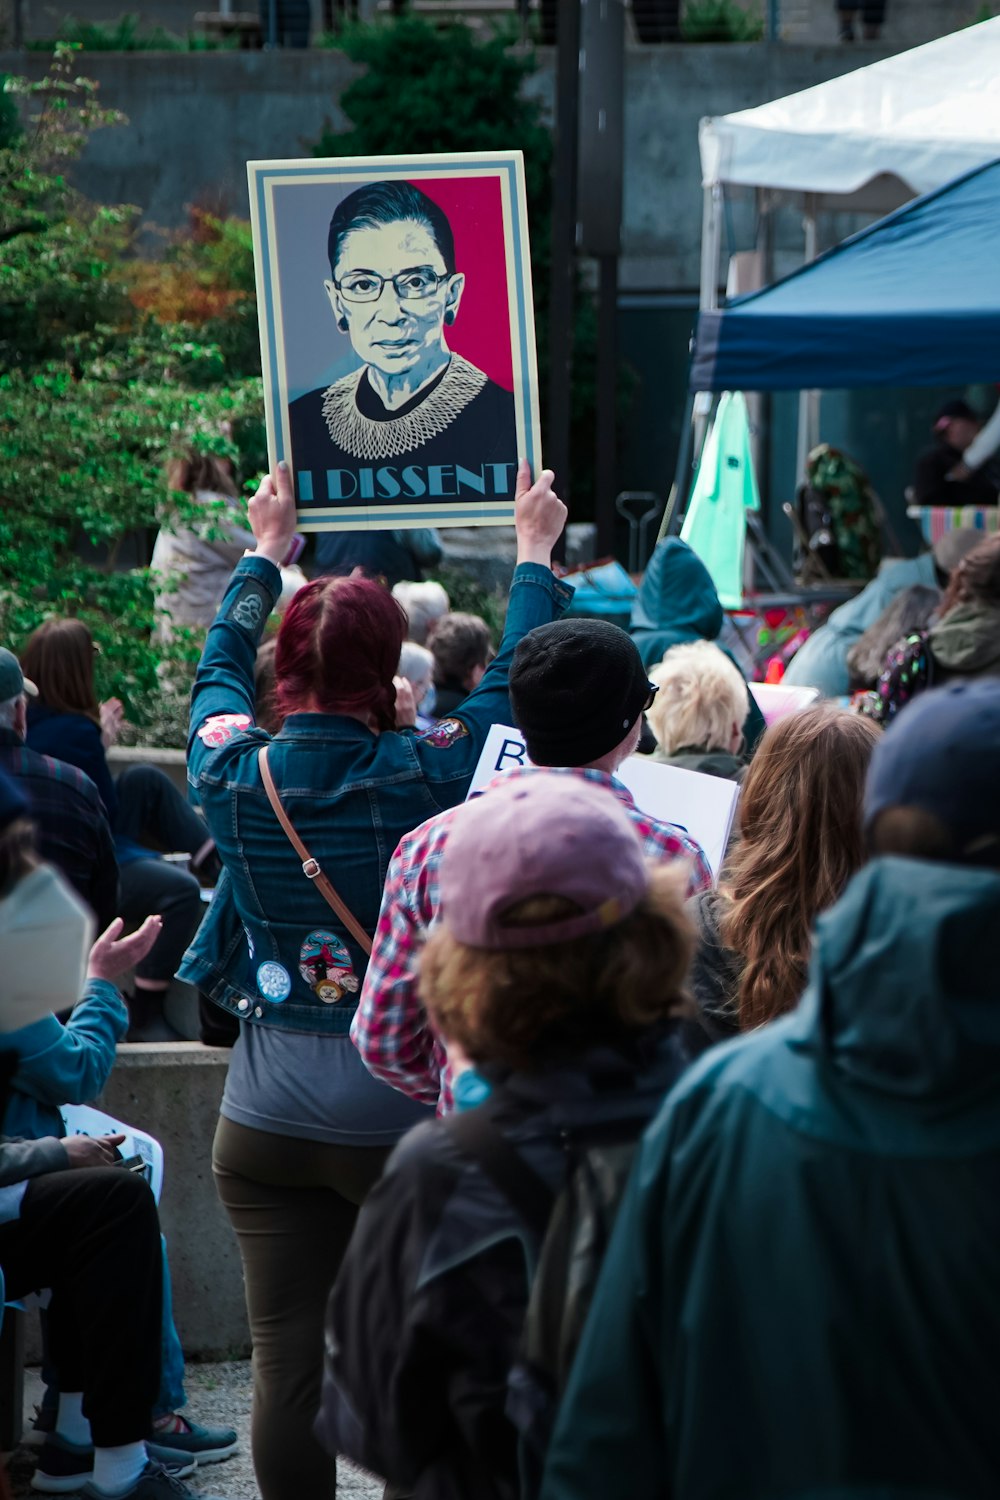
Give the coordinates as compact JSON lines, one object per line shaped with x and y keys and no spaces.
{"x":703,"y":806}
{"x":397,"y":336}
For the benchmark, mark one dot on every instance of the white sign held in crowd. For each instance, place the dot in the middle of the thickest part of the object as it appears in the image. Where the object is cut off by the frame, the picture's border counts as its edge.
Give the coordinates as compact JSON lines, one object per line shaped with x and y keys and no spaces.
{"x":703,"y":806}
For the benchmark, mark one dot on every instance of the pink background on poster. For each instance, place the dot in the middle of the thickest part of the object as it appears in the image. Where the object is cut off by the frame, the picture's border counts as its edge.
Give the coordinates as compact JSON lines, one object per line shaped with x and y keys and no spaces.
{"x":481,"y":332}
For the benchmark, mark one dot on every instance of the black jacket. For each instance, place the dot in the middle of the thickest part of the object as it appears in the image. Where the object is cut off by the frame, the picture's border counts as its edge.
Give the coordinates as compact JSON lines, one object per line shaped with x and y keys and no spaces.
{"x":425,"y":1318}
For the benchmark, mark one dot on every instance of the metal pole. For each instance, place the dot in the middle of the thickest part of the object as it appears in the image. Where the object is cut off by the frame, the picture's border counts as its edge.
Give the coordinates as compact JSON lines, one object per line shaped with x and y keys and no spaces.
{"x":607,"y":362}
{"x":272,"y":23}
{"x":773,"y":20}
{"x":808,"y":423}
{"x":563,"y":272}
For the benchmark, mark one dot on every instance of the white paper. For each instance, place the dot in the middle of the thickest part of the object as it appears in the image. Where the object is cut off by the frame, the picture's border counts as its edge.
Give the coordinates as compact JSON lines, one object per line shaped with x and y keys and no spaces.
{"x":703,"y":806}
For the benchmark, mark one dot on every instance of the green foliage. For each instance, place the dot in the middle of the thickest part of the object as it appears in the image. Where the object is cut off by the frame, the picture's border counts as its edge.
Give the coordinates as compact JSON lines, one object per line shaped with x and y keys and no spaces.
{"x":97,"y":392}
{"x":720,"y":21}
{"x":469,"y":596}
{"x":122,"y":35}
{"x":10,"y":124}
{"x":440,"y":89}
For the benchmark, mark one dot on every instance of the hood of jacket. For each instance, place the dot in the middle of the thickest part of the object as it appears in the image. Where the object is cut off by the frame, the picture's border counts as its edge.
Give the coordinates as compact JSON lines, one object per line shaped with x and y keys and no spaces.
{"x":968,"y":639}
{"x":902,"y":994}
{"x":677,"y":600}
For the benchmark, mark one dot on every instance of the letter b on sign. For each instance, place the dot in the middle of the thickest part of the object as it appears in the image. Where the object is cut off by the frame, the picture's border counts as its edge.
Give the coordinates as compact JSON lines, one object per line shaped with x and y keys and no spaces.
{"x":511,"y":753}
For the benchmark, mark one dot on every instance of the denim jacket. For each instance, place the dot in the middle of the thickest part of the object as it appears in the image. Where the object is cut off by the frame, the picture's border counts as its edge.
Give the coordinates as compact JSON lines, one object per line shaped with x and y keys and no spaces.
{"x":270,"y":949}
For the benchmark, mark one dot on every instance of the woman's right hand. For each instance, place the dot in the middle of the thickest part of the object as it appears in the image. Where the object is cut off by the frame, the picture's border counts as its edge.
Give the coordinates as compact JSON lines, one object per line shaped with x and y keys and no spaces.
{"x":539,"y":515}
{"x":272,"y":515}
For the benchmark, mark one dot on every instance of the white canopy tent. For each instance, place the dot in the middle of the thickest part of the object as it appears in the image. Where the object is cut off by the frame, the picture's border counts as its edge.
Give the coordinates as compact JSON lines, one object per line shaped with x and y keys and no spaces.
{"x":866,"y":143}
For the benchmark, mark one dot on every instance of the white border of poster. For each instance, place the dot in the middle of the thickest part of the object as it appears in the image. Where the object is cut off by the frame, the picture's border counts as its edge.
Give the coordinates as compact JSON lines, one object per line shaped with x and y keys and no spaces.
{"x":298,"y":329}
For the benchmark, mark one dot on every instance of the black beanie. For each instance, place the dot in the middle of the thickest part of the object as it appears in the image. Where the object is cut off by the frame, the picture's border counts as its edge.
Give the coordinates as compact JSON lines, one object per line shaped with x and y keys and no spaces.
{"x":576,"y":688}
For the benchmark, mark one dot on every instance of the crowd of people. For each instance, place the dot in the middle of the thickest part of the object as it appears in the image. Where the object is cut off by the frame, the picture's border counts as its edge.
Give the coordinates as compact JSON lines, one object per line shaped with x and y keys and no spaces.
{"x":561,"y":1164}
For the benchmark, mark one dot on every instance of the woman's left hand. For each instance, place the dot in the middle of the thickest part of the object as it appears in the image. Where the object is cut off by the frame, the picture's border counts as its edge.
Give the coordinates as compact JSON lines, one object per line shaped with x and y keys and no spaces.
{"x":112,"y":717}
{"x":272,"y":515}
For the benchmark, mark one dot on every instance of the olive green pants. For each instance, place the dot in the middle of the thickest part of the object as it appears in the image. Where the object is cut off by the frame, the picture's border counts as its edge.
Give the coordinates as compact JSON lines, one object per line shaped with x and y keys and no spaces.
{"x":293,"y":1204}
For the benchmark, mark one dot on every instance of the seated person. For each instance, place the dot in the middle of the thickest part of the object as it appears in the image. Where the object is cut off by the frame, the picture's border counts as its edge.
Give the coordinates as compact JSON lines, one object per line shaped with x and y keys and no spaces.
{"x":963,"y":641}
{"x":146,"y":811}
{"x":822,"y":661}
{"x":557,"y":971}
{"x":425,"y":604}
{"x":68,"y":1230}
{"x":955,"y":427}
{"x":54,"y":1064}
{"x":416,"y":664}
{"x":699,"y":711}
{"x":677,"y":602}
{"x":909,"y":611}
{"x":808,"y":1242}
{"x":69,"y":817}
{"x":463,"y":649}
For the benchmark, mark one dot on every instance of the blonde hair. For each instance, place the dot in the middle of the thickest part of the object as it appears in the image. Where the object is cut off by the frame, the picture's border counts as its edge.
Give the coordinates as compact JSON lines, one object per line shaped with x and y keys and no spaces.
{"x":701,"y":696}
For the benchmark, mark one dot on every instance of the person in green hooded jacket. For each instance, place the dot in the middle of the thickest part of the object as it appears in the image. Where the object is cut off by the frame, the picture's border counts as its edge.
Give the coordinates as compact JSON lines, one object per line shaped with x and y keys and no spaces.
{"x":800,"y":1298}
{"x":677,"y":603}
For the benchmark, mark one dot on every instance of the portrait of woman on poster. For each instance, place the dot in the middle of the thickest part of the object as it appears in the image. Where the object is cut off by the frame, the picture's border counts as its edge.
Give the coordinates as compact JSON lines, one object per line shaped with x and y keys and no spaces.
{"x":396,"y":291}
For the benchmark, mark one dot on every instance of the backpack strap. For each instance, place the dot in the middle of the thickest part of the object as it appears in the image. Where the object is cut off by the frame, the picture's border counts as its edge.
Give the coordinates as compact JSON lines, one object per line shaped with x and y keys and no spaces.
{"x":311,"y":867}
{"x":478,"y":1136}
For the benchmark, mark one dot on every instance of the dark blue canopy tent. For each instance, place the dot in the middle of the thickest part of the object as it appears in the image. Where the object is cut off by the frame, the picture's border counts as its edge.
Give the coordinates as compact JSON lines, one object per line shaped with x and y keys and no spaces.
{"x":913,"y":300}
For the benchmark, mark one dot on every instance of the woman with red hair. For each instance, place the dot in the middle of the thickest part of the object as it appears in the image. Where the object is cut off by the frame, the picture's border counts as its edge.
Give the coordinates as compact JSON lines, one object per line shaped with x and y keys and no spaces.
{"x":304,"y":1129}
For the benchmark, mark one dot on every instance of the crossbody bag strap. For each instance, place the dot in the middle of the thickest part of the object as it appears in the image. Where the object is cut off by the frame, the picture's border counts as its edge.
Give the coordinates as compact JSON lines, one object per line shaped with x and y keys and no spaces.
{"x":310,"y":867}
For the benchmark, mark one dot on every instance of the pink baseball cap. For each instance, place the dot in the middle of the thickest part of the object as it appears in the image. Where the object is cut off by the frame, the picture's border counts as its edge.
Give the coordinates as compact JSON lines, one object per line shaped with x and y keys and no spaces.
{"x":545,"y":833}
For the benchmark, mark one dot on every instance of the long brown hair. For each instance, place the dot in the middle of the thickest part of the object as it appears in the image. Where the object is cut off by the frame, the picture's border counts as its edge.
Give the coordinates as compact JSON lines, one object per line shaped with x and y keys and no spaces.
{"x":801,"y":841}
{"x":193,"y":471}
{"x":977,"y":577}
{"x":58,"y":658}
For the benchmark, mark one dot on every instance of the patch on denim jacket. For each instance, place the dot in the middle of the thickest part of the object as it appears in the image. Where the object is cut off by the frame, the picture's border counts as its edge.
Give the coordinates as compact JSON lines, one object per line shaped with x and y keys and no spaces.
{"x":250,"y":608}
{"x":221,"y":727}
{"x":274,"y":982}
{"x":325,"y":965}
{"x":445,"y":734}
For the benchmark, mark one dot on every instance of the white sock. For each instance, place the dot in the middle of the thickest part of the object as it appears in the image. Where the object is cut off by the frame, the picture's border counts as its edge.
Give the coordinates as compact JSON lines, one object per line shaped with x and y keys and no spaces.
{"x":71,"y":1424}
{"x":117,"y":1470}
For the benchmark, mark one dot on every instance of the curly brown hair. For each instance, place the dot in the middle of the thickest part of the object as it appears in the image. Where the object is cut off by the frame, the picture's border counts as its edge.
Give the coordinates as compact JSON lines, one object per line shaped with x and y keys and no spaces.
{"x":524,"y":1005}
{"x":801,"y":841}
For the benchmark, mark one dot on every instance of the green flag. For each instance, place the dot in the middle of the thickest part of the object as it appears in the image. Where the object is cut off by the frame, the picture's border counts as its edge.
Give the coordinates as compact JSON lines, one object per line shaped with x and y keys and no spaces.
{"x":725,"y":487}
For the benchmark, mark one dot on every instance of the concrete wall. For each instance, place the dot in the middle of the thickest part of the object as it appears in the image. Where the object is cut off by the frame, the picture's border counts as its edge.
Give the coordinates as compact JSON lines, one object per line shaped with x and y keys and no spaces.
{"x":173,"y":1090}
{"x":197,"y":118}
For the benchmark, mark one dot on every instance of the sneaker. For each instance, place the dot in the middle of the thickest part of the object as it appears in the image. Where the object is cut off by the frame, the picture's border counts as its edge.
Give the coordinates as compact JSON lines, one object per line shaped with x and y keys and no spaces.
{"x":154,"y":1483}
{"x":206,"y":1445}
{"x":63,"y":1466}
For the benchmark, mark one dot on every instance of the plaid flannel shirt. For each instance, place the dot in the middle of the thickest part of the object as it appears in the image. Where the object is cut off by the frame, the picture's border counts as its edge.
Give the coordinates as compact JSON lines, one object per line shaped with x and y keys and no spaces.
{"x":391,"y":1029}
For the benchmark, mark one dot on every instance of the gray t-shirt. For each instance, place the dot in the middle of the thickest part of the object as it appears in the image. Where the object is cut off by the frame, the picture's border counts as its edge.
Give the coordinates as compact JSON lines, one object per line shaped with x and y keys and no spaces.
{"x":314,"y":1087}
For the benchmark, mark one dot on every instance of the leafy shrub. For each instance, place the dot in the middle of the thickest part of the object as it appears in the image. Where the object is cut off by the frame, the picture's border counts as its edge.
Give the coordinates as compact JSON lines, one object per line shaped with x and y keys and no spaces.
{"x":96,"y":394}
{"x":720,"y":21}
{"x":122,"y":35}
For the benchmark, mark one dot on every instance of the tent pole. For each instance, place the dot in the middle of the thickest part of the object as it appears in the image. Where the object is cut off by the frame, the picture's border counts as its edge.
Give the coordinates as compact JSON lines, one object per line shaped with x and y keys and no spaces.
{"x":808,"y":424}
{"x":711,"y":245}
{"x":681,"y":487}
